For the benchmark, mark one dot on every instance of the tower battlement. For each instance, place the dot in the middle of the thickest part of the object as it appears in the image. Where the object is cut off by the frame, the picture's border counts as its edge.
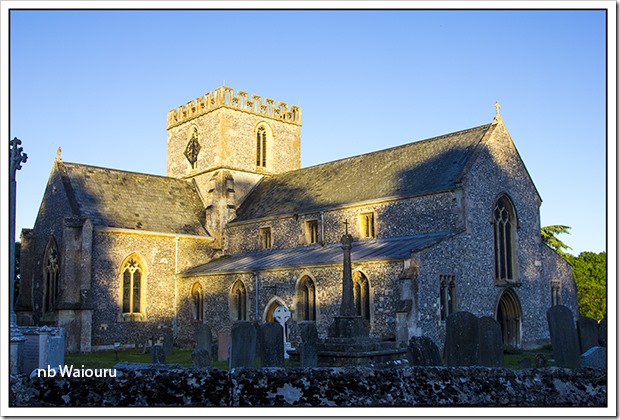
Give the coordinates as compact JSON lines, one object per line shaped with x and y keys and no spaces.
{"x":224,"y":97}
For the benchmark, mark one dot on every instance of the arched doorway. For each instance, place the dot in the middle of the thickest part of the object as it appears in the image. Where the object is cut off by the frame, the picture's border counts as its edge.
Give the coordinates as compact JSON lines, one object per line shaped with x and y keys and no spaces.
{"x":509,"y":315}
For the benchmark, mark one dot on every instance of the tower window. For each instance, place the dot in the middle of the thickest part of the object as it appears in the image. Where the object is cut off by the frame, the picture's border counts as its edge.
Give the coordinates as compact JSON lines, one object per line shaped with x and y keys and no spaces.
{"x":367,"y":225}
{"x":192,"y":149}
{"x":261,"y":147}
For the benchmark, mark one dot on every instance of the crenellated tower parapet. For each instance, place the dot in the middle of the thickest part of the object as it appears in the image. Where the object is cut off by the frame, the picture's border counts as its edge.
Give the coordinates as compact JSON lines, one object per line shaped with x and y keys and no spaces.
{"x":224,"y":97}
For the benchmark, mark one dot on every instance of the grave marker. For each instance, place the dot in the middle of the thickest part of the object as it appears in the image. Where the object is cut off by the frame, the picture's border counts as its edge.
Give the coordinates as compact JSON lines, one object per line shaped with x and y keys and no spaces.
{"x":563,"y":336}
{"x":271,"y":345}
{"x":242,"y":345}
{"x":308,"y":349}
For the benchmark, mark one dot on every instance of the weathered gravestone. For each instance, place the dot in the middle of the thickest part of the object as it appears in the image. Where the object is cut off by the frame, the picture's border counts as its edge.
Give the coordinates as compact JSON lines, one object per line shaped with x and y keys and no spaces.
{"x":202,"y":354}
{"x":462,"y":339}
{"x":242,"y":345}
{"x":168,"y":343}
{"x":308,"y":348}
{"x":491,"y":348}
{"x":587,"y":332}
{"x":158,"y":355}
{"x":271,"y":345}
{"x":595,"y":357}
{"x":223,"y":345}
{"x":563,"y":336}
{"x":422,"y":351}
{"x":602,"y":332}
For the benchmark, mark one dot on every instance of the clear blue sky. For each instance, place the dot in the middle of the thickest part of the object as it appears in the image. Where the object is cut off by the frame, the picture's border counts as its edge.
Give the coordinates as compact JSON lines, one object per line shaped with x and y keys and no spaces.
{"x":100,"y":83}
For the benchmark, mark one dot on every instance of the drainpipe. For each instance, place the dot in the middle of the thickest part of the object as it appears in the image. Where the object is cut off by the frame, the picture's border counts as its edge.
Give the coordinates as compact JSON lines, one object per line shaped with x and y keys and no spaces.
{"x":322,"y":230}
{"x":176,"y":292}
{"x":256,"y":295}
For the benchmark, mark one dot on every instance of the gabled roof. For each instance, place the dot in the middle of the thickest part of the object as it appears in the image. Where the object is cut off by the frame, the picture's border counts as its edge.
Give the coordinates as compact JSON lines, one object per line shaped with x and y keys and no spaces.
{"x":130,"y":200}
{"x":362,"y":251}
{"x":414,"y":169}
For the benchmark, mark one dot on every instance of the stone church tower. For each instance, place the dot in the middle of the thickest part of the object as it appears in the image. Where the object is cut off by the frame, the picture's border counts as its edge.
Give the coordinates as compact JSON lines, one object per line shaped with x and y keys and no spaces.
{"x":226,"y":144}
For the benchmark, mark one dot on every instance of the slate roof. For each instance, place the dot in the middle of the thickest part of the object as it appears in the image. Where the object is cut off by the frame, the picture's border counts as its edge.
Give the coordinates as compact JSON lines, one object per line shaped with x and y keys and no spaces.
{"x":377,"y":250}
{"x":130,"y":200}
{"x":410,"y":170}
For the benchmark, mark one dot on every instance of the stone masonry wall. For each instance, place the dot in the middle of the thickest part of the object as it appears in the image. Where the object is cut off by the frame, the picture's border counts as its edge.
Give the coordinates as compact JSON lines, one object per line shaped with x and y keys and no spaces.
{"x":322,"y":387}
{"x":280,"y":286}
{"x":159,"y":257}
{"x":407,"y":217}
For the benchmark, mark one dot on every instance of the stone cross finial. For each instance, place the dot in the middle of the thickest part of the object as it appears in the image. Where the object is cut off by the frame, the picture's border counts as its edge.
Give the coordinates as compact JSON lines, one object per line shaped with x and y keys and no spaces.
{"x":17,"y":156}
{"x":346,"y":227}
{"x":497,"y":108}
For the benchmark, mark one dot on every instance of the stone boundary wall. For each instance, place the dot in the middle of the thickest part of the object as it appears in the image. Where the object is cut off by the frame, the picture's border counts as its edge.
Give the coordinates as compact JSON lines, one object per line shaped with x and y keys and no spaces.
{"x":320,"y":387}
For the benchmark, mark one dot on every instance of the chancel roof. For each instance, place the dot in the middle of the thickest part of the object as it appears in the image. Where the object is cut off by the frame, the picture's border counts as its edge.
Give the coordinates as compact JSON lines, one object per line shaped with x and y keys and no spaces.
{"x":361,"y":251}
{"x":423,"y":167}
{"x":130,"y":200}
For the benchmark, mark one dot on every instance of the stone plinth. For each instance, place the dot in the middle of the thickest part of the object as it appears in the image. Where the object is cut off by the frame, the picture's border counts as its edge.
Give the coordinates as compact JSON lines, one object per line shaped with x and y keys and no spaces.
{"x":348,"y":326}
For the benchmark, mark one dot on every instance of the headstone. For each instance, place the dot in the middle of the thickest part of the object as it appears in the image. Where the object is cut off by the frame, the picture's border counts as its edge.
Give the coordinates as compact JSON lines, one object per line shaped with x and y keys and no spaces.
{"x":422,"y":351}
{"x":308,"y":348}
{"x":223,"y":345}
{"x":202,"y":337}
{"x":282,"y":315}
{"x":201,"y":359}
{"x":202,"y":355}
{"x":271,"y":345}
{"x":602,"y":332}
{"x":168,"y":343}
{"x":491,"y":347}
{"x":595,"y":357}
{"x":524,"y":363}
{"x":242,"y":345}
{"x":43,"y":346}
{"x":158,"y":355}
{"x":541,"y":360}
{"x":563,"y":336}
{"x":462,"y":338}
{"x":587,"y":332}
{"x":56,"y":349}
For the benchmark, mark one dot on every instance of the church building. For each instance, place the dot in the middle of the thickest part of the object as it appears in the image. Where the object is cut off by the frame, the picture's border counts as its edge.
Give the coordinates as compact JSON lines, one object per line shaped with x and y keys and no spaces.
{"x":237,"y":228}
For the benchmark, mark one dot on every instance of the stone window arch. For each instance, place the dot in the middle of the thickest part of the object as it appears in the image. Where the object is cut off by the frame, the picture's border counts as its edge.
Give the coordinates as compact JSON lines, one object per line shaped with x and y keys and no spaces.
{"x":361,"y":294}
{"x":197,"y":302}
{"x":556,"y":293}
{"x":132,"y":288}
{"x":263,"y":139}
{"x":238,"y":301}
{"x":505,"y":235}
{"x":51,"y":276}
{"x":447,"y":295}
{"x":306,"y":299}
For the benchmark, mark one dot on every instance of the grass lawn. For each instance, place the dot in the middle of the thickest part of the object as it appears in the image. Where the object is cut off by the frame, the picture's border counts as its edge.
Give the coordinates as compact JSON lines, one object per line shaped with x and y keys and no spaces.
{"x":183,"y":357}
{"x":107,"y":359}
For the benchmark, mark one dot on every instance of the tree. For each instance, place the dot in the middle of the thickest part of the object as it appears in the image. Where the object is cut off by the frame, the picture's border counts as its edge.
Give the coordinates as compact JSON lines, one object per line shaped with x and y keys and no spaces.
{"x":549,"y":236}
{"x":590,"y":272}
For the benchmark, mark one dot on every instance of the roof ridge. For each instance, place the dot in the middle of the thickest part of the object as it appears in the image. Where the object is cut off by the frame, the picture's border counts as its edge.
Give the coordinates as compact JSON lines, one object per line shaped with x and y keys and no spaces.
{"x":294,"y":171}
{"x":125,"y":171}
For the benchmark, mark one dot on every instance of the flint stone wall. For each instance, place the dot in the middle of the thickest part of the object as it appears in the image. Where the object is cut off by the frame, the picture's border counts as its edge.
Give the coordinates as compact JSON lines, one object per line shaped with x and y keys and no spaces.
{"x":342,"y":387}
